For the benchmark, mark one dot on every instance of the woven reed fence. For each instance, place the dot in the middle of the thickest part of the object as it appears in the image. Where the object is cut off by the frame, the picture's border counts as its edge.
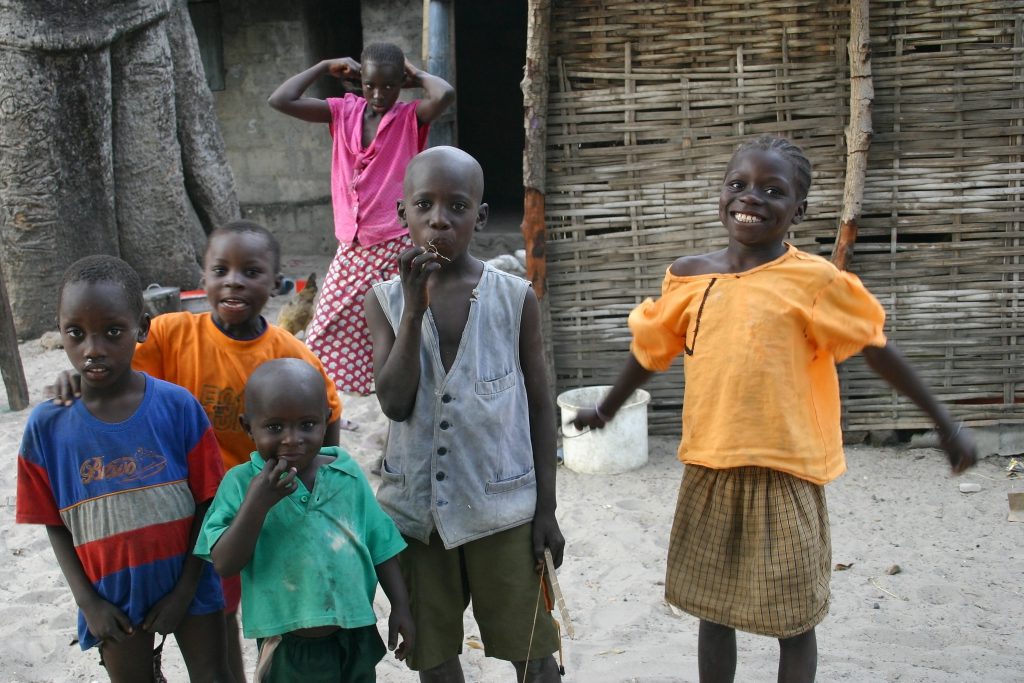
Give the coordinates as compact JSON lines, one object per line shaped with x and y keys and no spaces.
{"x":648,"y":100}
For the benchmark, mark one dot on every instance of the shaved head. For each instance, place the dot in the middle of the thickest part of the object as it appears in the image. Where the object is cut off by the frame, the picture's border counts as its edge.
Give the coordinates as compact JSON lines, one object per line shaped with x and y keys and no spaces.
{"x":452,"y":161}
{"x":293,"y":377}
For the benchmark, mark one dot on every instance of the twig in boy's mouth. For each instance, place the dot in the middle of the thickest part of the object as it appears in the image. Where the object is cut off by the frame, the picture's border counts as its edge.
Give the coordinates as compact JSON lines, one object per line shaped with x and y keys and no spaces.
{"x":432,"y":248}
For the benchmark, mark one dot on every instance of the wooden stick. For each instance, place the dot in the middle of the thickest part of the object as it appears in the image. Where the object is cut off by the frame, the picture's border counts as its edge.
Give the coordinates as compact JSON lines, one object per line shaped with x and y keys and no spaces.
{"x":858,"y":134}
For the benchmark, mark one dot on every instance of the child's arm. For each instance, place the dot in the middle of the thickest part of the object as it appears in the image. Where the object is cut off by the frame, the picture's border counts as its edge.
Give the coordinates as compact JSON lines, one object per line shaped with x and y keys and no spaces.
{"x":234,"y":548}
{"x":892,"y":366}
{"x":288,"y":98}
{"x":438,"y":93}
{"x":400,"y":622}
{"x":631,"y":378}
{"x":546,"y":533}
{"x":396,"y":358}
{"x":166,"y":615}
{"x":105,"y":621}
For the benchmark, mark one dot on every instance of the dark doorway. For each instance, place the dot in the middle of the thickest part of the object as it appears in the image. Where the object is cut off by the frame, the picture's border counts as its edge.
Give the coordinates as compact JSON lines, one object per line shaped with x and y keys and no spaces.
{"x":333,"y":29}
{"x":490,"y":49}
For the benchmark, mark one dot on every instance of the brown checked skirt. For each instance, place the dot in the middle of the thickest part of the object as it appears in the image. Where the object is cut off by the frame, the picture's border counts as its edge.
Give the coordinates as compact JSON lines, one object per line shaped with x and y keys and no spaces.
{"x":750,"y":549}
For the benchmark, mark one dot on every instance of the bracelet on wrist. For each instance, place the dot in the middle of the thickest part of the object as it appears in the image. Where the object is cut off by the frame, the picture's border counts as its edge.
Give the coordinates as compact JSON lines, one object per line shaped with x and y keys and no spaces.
{"x":597,"y":410}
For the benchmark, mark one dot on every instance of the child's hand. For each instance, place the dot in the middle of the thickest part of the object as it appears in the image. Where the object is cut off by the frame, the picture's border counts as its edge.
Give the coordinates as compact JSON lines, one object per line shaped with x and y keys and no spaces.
{"x":401,"y":622}
{"x":345,"y":68}
{"x":107,"y":622}
{"x":275,"y":482}
{"x":415,"y":266}
{"x":958,"y":443}
{"x":588,"y":417}
{"x":166,"y":615}
{"x":546,"y":534}
{"x":65,"y":389}
{"x":412,"y":76}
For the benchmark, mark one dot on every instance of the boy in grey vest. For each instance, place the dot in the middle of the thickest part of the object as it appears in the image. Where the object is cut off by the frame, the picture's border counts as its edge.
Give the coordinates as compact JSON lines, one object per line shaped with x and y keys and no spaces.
{"x":469,"y":471}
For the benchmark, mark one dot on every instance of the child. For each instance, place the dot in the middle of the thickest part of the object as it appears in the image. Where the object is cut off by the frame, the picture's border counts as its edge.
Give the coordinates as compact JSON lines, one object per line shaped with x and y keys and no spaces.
{"x":121,"y":480}
{"x":212,"y":354}
{"x":762,"y":325}
{"x":374,"y":137}
{"x":469,"y":470}
{"x":310,"y":564}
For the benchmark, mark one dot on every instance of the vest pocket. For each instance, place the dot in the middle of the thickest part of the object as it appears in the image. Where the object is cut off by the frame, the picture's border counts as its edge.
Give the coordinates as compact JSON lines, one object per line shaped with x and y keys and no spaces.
{"x":505,"y":485}
{"x":396,"y":478}
{"x":496,"y":386}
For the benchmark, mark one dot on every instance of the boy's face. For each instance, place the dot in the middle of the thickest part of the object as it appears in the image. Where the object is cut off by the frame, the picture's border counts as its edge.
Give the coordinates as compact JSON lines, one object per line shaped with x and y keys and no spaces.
{"x":760,"y":198}
{"x":382,"y":84}
{"x":288,"y":422}
{"x":99,"y":330}
{"x":442,"y":206}
{"x":239,"y":274}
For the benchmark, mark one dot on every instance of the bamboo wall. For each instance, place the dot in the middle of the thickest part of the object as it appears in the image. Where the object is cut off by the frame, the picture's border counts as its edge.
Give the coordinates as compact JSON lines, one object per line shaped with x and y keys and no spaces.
{"x":648,"y":100}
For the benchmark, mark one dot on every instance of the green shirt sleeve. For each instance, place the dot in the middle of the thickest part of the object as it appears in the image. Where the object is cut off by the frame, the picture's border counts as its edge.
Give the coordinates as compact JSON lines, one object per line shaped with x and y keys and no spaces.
{"x":223,"y":509}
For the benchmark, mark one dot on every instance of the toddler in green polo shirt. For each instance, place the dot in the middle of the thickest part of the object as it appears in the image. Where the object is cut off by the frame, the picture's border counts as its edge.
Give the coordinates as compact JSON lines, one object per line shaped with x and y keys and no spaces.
{"x":299,"y":522}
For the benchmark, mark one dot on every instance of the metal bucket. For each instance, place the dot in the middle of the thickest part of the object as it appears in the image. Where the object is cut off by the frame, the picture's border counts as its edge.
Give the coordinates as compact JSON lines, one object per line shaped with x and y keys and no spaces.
{"x":161,"y":300}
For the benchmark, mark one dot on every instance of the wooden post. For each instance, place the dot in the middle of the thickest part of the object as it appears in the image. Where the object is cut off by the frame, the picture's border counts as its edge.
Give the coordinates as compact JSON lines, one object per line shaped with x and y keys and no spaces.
{"x":858,"y":134}
{"x":535,"y":120}
{"x":10,"y":359}
{"x":438,"y":21}
{"x":535,"y":108}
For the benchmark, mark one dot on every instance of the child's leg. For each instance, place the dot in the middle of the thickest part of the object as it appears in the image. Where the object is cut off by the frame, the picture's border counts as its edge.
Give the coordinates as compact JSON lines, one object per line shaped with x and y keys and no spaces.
{"x":798,"y":658}
{"x":438,"y":597}
{"x":508,"y":604}
{"x":130,"y":660}
{"x":203,"y":645}
{"x":233,"y":636}
{"x":448,"y":672}
{"x":716,"y":652}
{"x":544,"y":670}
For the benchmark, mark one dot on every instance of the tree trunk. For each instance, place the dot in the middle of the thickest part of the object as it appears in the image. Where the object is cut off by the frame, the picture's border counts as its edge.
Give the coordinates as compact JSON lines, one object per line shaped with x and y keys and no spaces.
{"x":107,"y":145}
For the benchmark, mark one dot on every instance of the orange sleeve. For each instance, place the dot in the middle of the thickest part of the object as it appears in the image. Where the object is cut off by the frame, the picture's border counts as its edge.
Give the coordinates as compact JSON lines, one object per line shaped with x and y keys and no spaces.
{"x":659,"y":326}
{"x":149,"y":356}
{"x":846,"y":317}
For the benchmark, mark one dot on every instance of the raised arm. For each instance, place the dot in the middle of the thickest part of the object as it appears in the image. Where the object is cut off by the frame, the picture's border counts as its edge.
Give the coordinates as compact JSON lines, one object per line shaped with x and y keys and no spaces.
{"x":289,"y":98}
{"x":438,"y":94}
{"x":546,"y":533}
{"x":396,"y":357}
{"x":235,"y":546}
{"x":631,"y":377}
{"x":892,"y":366}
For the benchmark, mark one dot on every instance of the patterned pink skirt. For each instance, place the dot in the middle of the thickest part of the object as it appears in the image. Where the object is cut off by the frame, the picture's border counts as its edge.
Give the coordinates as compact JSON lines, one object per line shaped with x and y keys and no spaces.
{"x":338,"y":334}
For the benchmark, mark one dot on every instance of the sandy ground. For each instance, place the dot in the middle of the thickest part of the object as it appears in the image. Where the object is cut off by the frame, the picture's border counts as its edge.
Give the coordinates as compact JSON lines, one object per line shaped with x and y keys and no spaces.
{"x":953,"y":613}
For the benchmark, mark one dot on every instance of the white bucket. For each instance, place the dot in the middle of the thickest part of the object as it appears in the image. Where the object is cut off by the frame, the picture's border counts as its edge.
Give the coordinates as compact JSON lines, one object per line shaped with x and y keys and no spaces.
{"x":619,"y":447}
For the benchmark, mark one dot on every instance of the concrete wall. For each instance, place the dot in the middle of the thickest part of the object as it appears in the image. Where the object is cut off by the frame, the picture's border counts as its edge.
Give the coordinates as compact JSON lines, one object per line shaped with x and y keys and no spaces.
{"x":281,"y":164}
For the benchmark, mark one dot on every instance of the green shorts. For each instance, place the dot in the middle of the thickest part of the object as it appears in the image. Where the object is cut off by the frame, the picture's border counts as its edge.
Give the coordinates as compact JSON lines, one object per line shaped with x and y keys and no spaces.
{"x":497,"y":574}
{"x":345,"y":656}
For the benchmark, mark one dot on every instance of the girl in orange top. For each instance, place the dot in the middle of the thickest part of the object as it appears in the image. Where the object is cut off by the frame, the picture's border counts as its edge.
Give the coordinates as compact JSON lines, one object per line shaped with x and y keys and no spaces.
{"x":762,"y":326}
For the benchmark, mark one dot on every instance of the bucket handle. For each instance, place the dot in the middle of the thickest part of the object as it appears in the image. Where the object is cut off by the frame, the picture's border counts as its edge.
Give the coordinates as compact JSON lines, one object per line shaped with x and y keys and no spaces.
{"x":579,"y":432}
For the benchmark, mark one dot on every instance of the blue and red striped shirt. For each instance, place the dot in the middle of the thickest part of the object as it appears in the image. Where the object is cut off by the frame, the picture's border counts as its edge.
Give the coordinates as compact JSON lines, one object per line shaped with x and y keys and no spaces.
{"x":127,"y":492}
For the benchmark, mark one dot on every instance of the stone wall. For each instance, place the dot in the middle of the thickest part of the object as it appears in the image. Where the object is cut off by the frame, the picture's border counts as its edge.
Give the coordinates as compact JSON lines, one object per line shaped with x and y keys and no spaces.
{"x":281,"y":164}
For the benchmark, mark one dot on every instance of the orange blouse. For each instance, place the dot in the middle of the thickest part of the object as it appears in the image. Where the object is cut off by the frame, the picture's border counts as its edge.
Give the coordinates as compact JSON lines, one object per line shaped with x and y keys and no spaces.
{"x":761,"y":351}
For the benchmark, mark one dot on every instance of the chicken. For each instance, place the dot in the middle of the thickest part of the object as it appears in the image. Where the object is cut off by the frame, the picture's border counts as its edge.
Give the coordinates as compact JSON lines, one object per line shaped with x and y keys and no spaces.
{"x":297,"y":313}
